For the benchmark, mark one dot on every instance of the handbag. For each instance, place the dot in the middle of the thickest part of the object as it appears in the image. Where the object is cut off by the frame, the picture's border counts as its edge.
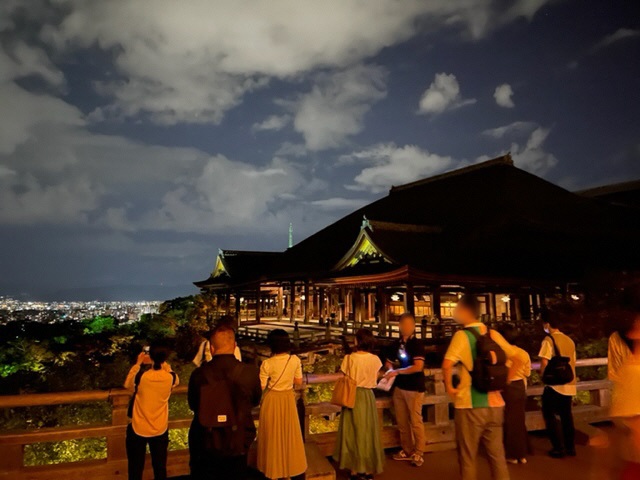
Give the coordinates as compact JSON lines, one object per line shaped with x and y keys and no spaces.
{"x":558,"y":371}
{"x":344,"y":390}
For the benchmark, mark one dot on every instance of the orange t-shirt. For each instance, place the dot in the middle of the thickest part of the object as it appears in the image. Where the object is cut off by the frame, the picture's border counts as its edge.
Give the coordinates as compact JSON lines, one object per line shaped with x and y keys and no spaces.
{"x":151,"y":407}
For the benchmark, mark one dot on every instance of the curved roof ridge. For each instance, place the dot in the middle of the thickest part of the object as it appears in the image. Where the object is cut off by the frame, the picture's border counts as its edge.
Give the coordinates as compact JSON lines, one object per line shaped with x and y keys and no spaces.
{"x":501,"y":160}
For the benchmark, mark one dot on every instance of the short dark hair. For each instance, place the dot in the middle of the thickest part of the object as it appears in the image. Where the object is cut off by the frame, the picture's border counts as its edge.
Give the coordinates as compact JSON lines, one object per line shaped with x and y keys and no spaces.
{"x":556,"y":315}
{"x":470,"y":302}
{"x":510,"y":332}
{"x":407,"y":315}
{"x":159,"y":352}
{"x":366,"y":340}
{"x":278,"y":341}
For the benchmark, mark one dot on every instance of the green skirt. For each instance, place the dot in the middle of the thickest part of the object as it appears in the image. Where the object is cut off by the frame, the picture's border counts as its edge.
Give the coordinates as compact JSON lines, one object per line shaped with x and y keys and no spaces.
{"x":359,"y":447}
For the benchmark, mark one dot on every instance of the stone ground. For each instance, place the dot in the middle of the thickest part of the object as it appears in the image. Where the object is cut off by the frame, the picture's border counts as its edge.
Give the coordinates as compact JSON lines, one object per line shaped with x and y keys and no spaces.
{"x":589,"y":464}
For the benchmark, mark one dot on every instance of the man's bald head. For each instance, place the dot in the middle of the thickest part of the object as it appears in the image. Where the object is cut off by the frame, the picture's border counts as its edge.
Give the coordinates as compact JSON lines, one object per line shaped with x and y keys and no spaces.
{"x":223,"y":340}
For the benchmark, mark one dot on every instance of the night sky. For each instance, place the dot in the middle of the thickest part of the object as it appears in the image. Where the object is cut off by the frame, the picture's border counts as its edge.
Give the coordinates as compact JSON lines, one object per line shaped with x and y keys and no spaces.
{"x":138,"y":137}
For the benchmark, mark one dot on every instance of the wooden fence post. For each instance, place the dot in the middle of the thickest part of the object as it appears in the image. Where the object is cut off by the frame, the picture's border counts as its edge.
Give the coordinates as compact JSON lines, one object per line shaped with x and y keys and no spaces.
{"x":116,"y":444}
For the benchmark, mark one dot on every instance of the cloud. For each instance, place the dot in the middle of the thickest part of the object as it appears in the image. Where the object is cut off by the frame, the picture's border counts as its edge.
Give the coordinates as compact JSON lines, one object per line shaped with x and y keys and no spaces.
{"x":288,"y":149}
{"x":174,"y":64}
{"x":385,"y":165}
{"x":335,"y":107}
{"x":515,"y":128}
{"x":503,"y":94}
{"x":620,"y":34}
{"x":443,"y":94}
{"x":272,"y":123}
{"x":388,"y":164}
{"x":531,"y":155}
{"x":339,"y":203}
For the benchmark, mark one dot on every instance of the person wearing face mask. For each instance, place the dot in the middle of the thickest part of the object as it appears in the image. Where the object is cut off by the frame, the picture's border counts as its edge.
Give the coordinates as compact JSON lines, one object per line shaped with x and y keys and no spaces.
{"x":557,"y":399}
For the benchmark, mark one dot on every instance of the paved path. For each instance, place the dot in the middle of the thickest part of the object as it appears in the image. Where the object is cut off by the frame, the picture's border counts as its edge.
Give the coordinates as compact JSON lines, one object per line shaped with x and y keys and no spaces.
{"x":589,"y":464}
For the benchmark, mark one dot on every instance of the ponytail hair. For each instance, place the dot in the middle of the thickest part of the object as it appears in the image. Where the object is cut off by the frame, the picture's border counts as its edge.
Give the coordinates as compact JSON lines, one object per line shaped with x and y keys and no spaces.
{"x":159,"y":354}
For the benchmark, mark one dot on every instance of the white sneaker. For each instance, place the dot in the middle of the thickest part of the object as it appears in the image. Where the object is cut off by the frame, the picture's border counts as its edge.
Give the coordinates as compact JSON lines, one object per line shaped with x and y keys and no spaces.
{"x":417,"y":460}
{"x":512,"y":461}
{"x":523,"y":461}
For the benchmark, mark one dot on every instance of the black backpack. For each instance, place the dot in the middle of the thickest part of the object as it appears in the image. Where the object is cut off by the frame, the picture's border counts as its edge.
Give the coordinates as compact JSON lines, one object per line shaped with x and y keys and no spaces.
{"x":218,"y":414}
{"x":490,"y":371}
{"x":558,"y":371}
{"x":145,"y":367}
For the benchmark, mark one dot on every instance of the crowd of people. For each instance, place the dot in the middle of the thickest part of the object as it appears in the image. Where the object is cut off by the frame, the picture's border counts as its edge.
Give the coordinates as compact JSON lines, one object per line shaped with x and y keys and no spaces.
{"x":485,"y":374}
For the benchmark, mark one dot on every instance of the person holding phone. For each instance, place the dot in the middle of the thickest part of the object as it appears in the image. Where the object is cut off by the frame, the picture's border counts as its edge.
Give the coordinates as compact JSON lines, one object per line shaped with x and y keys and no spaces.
{"x":151,"y":381}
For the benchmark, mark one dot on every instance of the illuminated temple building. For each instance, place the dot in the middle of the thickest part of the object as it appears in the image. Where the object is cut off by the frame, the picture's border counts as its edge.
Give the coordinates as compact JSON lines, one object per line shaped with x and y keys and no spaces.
{"x":491,"y":228}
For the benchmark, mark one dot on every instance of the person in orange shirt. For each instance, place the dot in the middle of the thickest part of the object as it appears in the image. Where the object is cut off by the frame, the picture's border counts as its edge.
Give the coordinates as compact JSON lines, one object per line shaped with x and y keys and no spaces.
{"x":151,"y":381}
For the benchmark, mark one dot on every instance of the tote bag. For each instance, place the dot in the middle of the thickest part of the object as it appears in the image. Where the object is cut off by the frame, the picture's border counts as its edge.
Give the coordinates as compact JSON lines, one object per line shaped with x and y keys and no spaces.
{"x":344,"y":391}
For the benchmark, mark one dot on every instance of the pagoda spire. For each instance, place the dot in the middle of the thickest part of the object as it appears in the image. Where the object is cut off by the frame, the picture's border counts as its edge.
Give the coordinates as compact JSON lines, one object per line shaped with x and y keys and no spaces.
{"x":290,"y":235}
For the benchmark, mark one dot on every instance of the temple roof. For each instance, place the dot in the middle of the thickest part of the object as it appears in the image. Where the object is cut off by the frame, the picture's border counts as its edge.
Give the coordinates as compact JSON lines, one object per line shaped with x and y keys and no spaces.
{"x":487,"y":219}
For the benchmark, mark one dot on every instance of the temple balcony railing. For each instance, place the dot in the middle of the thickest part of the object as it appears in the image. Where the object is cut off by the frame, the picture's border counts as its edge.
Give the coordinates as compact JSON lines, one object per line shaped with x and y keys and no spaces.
{"x":437,"y":413}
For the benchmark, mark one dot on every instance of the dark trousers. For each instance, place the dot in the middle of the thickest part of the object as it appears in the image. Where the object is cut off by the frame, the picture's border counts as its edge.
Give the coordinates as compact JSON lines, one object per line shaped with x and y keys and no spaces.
{"x":516,"y":441}
{"x":137,"y":450}
{"x":554,"y":403}
{"x":215,"y":467}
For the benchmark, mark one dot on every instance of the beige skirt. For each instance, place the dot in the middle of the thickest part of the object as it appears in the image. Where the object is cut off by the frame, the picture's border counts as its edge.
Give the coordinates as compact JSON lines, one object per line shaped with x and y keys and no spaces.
{"x":280,"y":446}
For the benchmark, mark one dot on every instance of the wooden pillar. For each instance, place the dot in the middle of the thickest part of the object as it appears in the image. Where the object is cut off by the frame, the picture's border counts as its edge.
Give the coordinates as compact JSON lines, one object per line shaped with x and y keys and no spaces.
{"x":357,"y":306}
{"x":321,"y":303}
{"x":342,"y":306}
{"x":227,"y":300}
{"x":493,"y":307}
{"x":292,"y":303}
{"x":279,"y":305}
{"x":409,"y":302}
{"x":238,"y":309}
{"x":258,"y":304}
{"x":435,"y":297}
{"x":383,"y":310}
{"x":307,"y":301}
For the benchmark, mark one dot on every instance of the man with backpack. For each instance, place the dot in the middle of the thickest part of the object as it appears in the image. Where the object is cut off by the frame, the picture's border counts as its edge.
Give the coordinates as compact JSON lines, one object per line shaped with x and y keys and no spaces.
{"x":150,"y":381}
{"x":222,"y":394}
{"x":558,"y":372}
{"x":481,"y":354}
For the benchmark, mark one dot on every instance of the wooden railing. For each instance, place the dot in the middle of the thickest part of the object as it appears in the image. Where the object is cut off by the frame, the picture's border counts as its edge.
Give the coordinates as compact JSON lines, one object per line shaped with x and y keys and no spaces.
{"x":438,"y":427}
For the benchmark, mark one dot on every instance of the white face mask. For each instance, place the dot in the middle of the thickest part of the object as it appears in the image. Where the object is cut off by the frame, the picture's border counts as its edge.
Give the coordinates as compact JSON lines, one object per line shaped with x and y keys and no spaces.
{"x":546,"y":330}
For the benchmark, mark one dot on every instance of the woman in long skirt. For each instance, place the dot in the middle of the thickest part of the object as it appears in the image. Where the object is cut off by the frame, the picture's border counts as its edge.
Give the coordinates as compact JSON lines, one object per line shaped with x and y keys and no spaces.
{"x":281,"y":451}
{"x":516,"y":440}
{"x":359,"y":447}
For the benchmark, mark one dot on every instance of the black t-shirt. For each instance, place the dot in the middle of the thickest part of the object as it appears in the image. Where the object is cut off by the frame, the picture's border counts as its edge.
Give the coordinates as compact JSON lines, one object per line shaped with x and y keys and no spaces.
{"x":403,"y":355}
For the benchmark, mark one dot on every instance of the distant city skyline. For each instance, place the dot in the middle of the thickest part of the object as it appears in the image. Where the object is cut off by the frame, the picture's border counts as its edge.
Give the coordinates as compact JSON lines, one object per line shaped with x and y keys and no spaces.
{"x":137,"y":138}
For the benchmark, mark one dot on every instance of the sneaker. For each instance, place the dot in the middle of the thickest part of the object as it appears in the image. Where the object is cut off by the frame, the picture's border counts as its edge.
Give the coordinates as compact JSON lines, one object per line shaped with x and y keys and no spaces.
{"x":512,"y":461}
{"x":417,"y":460}
{"x":401,"y":456}
{"x":556,"y":453}
{"x":523,"y":461}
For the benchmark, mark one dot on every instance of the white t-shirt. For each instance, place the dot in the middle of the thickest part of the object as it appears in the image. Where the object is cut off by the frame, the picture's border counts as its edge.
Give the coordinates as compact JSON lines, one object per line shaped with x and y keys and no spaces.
{"x":567,"y":349}
{"x":273,"y":370}
{"x":363,"y":367}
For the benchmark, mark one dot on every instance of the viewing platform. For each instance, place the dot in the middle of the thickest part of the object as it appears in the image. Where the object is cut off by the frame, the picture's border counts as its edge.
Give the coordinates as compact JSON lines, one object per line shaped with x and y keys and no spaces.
{"x":440,"y":463}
